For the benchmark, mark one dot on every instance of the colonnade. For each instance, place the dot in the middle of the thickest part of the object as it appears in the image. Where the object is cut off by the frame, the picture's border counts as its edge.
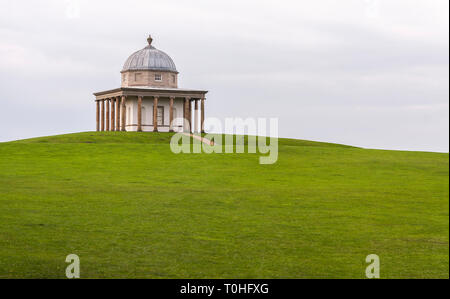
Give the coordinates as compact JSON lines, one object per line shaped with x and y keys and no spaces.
{"x":111,"y":114}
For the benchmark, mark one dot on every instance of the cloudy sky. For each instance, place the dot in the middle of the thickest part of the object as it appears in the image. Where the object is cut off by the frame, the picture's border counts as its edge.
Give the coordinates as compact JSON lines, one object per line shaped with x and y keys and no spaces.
{"x":369,"y":73}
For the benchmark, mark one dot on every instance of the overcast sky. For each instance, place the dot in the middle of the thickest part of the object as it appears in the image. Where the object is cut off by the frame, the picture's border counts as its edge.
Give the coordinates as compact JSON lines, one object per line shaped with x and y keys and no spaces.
{"x":369,"y":73}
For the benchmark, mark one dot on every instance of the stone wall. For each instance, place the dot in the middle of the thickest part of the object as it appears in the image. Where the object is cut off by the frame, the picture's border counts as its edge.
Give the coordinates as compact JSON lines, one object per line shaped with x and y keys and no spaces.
{"x":147,"y":78}
{"x":147,"y":114}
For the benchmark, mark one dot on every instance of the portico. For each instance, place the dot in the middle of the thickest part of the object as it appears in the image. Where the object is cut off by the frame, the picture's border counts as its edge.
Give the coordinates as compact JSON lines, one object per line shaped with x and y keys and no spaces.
{"x":149,"y":109}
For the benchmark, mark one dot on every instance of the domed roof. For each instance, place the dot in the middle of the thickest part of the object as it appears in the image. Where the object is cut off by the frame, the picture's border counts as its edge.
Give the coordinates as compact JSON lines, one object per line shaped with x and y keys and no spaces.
{"x":150,"y":58}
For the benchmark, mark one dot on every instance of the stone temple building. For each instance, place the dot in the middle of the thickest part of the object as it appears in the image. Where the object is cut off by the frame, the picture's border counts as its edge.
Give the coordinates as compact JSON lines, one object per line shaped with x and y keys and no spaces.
{"x":149,"y":98}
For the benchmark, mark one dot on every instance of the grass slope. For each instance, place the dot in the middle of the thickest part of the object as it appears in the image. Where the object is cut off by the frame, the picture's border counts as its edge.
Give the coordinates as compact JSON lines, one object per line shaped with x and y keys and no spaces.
{"x":131,"y":208}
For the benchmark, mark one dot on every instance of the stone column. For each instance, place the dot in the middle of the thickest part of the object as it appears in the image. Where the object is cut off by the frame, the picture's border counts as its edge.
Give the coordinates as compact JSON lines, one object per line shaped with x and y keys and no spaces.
{"x":190,"y":117}
{"x":113,"y":114}
{"x":97,"y":115}
{"x":202,"y":116}
{"x":117,"y":114}
{"x":103,"y":114}
{"x":184,"y":110}
{"x":186,"y":116}
{"x":107,"y":114}
{"x":196,"y":117}
{"x":155,"y":114}
{"x":170,"y":114}
{"x":124,"y":113}
{"x":139,"y":114}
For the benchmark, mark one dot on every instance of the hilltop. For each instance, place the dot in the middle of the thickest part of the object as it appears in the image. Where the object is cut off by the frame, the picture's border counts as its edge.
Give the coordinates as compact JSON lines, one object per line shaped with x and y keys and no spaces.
{"x":129,"y":207}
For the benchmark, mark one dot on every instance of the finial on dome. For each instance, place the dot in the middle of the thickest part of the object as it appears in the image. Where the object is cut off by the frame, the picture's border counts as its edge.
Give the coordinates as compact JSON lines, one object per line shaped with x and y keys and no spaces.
{"x":150,"y":39}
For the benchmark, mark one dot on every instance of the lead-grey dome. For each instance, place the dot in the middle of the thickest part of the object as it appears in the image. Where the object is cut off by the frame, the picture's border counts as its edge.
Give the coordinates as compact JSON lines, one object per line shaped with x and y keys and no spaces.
{"x":150,"y":58}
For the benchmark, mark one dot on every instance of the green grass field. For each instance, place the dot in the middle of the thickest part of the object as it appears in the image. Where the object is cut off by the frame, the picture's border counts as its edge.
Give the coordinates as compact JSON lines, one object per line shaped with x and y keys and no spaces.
{"x":130,"y":208}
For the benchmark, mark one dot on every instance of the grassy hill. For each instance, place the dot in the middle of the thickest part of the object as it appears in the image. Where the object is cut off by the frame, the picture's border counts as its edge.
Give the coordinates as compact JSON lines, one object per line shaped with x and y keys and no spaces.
{"x":129,"y":207}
